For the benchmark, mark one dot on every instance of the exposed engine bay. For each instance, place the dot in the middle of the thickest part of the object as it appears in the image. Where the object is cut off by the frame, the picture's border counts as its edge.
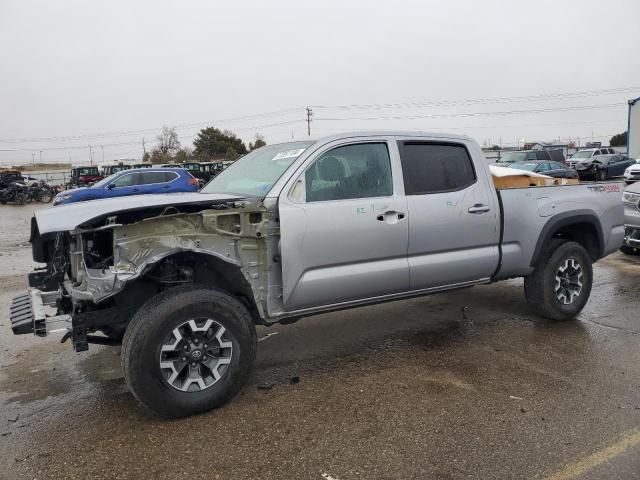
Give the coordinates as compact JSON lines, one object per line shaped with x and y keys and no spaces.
{"x":106,"y":269}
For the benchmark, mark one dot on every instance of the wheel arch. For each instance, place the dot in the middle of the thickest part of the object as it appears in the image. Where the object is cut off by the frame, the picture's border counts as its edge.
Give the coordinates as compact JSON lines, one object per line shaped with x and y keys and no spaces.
{"x":212,"y":271}
{"x":581,"y":226}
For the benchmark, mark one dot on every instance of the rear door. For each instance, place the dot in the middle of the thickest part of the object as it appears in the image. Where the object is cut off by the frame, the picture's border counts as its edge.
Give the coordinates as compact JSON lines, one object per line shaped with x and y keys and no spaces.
{"x":155,"y":181}
{"x":453,"y":215}
{"x":343,"y":225}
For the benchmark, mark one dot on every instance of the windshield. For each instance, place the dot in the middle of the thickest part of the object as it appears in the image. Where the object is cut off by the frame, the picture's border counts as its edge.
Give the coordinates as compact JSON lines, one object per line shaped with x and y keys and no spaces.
{"x":509,"y":157}
{"x":254,"y":174}
{"x":530,"y":166}
{"x":583,"y":154}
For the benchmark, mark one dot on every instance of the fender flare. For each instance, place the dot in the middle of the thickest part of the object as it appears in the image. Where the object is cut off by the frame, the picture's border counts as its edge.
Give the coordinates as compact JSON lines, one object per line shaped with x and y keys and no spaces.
{"x":566,"y":219}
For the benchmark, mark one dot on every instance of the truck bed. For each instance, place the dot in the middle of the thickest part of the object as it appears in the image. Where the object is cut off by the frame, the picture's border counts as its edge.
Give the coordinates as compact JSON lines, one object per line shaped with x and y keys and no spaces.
{"x":541,"y":210}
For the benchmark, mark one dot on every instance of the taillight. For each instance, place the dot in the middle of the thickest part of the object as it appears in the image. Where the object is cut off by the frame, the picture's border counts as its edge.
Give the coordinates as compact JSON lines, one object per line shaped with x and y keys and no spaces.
{"x":192,"y":181}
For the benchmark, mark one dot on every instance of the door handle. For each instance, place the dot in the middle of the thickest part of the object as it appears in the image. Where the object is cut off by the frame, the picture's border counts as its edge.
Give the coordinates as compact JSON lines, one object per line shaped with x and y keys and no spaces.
{"x":479,"y":208}
{"x":390,"y":216}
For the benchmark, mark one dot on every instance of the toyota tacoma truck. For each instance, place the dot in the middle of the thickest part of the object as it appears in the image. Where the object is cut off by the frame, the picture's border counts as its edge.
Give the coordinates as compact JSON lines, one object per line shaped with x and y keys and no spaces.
{"x":291,"y":230}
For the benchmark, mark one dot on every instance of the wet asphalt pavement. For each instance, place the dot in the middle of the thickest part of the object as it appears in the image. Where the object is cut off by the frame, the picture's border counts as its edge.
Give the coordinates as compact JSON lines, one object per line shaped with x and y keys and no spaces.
{"x":461,"y":385}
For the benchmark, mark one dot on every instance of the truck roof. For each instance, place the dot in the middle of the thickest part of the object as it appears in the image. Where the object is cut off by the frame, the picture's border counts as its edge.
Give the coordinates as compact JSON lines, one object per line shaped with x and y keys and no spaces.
{"x":389,"y":133}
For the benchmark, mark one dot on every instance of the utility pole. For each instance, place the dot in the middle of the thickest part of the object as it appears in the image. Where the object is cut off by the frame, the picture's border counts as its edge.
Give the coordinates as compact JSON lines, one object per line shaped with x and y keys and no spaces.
{"x":90,"y":156}
{"x":33,"y":158}
{"x":144,"y":149}
{"x":309,"y":115}
{"x":40,"y":156}
{"x":102,"y":148}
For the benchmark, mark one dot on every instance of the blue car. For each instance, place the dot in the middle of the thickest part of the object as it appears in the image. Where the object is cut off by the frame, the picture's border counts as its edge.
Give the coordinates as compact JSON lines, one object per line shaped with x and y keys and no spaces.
{"x":137,"y":181}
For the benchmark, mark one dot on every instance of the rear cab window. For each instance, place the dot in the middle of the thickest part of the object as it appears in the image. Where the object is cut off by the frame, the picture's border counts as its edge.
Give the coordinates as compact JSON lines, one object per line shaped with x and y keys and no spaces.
{"x":430,"y":167}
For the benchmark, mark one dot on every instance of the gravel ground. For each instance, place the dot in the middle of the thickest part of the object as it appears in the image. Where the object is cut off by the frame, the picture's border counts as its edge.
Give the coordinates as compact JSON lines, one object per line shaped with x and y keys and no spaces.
{"x":461,"y":385}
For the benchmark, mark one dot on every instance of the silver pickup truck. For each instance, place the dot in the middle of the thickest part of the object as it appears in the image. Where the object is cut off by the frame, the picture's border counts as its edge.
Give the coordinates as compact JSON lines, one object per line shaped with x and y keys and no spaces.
{"x":297,"y":229}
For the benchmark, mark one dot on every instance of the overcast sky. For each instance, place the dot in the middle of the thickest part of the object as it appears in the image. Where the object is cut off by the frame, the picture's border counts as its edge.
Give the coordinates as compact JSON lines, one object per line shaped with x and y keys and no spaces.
{"x":93,"y":69}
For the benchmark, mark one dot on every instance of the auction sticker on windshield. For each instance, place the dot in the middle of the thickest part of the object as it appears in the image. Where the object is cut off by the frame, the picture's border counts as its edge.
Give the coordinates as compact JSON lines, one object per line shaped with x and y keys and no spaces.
{"x":288,"y":154}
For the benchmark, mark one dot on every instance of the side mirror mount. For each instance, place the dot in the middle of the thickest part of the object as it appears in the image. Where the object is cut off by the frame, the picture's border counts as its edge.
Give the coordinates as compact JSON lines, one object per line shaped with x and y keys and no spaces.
{"x":111,"y":186}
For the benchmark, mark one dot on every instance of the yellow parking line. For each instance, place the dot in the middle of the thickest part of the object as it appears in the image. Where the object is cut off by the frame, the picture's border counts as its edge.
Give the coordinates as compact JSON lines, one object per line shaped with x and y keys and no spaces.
{"x":575,"y":469}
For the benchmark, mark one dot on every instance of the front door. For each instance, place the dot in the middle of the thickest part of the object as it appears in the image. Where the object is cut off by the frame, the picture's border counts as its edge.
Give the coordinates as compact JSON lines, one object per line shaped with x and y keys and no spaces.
{"x":453,"y":216}
{"x":344,"y":229}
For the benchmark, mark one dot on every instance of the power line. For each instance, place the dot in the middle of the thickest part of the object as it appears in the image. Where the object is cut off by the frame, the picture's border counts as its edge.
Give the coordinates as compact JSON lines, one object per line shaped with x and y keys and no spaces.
{"x":473,"y":114}
{"x":484,"y":101}
{"x":288,"y":111}
{"x":123,"y":133}
{"x":137,"y":142}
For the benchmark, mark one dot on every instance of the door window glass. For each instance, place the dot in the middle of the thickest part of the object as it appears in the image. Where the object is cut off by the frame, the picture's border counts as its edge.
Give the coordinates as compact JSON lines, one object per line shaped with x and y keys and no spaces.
{"x":433,"y":168}
{"x":124,"y":181}
{"x":353,"y":171}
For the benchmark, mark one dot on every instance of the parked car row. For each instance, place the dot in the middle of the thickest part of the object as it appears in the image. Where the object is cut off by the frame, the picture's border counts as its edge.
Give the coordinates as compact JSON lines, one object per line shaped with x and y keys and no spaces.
{"x":87,"y":176}
{"x":552,"y":169}
{"x":603,"y":167}
{"x":590,"y":164}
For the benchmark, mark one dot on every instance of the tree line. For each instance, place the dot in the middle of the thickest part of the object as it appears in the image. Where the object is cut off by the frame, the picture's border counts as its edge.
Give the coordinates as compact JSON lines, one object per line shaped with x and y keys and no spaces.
{"x":209,"y":144}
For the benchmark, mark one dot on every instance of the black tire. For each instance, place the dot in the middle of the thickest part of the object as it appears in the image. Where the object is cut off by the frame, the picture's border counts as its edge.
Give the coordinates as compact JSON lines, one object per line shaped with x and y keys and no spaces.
{"x":601,"y":175}
{"x":148,"y":330}
{"x":629,"y":250}
{"x":45,"y":196}
{"x":540,"y":286}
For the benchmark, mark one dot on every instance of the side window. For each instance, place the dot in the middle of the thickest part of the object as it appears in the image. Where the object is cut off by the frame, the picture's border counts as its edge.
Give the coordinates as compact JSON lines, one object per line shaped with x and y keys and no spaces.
{"x":543,"y":167}
{"x":557,"y":166}
{"x":353,"y":171}
{"x":169,"y":176}
{"x":124,"y":181}
{"x":147,"y":178}
{"x":531,"y":156}
{"x":435,"y":167}
{"x":542,"y":155}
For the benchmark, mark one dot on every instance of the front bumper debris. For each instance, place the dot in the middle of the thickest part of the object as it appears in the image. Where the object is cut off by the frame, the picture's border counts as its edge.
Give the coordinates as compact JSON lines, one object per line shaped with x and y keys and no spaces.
{"x":28,"y":314}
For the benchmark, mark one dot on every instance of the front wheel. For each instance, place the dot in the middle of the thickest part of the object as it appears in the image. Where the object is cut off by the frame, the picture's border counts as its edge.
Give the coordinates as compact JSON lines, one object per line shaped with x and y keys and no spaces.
{"x":560,"y":285}
{"x":188,"y":350}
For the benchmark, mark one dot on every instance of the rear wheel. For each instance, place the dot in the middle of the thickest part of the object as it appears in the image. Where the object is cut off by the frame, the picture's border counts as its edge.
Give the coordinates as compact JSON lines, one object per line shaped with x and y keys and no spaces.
{"x":560,"y":285}
{"x":601,"y":175}
{"x":188,"y":350}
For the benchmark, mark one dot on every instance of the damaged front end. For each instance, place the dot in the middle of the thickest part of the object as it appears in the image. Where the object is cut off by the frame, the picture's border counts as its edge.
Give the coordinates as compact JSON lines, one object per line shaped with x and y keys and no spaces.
{"x":100,"y":273}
